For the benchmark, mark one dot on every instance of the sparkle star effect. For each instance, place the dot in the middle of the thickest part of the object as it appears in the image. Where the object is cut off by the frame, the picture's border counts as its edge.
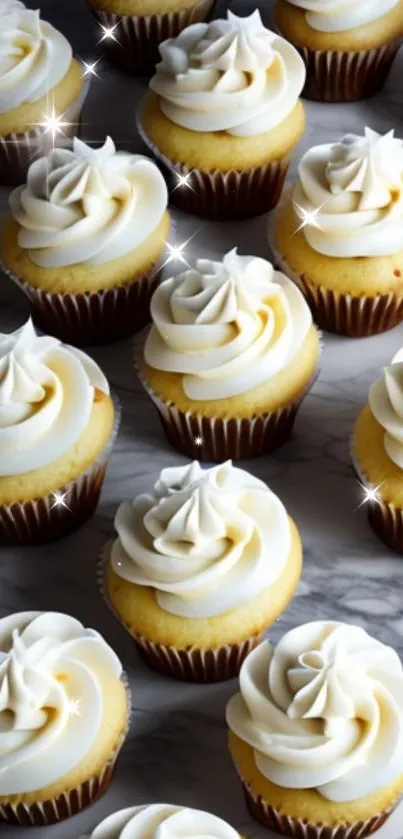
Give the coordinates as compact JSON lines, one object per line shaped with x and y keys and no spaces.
{"x":198,"y":441}
{"x":108,"y":33}
{"x":183,"y":180}
{"x":309,"y":218}
{"x":59,"y":500}
{"x":53,"y":124}
{"x":74,"y":707}
{"x":176,"y":253}
{"x":370,"y":495}
{"x":90,"y":68}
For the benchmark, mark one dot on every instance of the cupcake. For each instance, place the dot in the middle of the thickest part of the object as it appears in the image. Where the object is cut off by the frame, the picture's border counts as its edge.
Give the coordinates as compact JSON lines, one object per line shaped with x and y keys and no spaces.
{"x":230,"y":355}
{"x":223,"y":116}
{"x":152,"y":820}
{"x":42,"y":89}
{"x":377,"y":451}
{"x":338,"y":233}
{"x":200,"y":568}
{"x":132,"y":30}
{"x":84,"y":241}
{"x":316,"y":732}
{"x":64,"y":714}
{"x":58,"y":424}
{"x":348,"y":48}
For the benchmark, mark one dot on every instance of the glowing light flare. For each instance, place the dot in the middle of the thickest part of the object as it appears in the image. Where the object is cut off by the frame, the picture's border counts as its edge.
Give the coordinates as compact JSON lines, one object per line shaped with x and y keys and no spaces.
{"x":183,"y":181}
{"x":309,"y":218}
{"x":198,"y":441}
{"x":176,"y":253}
{"x":74,"y":707}
{"x":371,"y":495}
{"x":108,"y":33}
{"x":59,"y":500}
{"x":90,"y":68}
{"x":53,"y":124}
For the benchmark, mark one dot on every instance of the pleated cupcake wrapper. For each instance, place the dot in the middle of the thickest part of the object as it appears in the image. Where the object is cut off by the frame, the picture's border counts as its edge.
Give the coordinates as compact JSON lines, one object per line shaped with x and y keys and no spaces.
{"x":73,"y":800}
{"x":385,"y":518}
{"x":42,"y":519}
{"x":190,"y":664}
{"x":225,"y":196}
{"x":302,"y":829}
{"x":20,"y":148}
{"x":135,"y":47}
{"x":92,"y":317}
{"x":345,"y":314}
{"x":214,"y":439}
{"x":337,"y":76}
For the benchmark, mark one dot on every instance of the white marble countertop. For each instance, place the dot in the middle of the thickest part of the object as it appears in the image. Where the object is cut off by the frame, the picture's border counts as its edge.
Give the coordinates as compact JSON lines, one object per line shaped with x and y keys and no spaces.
{"x":176,"y":750}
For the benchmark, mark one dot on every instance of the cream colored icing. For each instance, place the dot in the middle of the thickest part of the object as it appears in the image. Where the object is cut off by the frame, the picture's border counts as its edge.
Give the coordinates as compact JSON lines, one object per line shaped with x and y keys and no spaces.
{"x":46,"y":397}
{"x":34,"y":56}
{"x":88,"y":205}
{"x":323,"y":710}
{"x":227,"y":326}
{"x":342,"y":15}
{"x":52,"y":677}
{"x":162,"y":821}
{"x":207,"y":540}
{"x":229,"y":75}
{"x":354,"y":188}
{"x":386,"y":403}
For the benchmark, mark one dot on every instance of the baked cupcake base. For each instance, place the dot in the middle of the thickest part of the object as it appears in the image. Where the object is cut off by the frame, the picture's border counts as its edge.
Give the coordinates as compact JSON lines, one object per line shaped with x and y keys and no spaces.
{"x":42,"y":519}
{"x":135,"y":47}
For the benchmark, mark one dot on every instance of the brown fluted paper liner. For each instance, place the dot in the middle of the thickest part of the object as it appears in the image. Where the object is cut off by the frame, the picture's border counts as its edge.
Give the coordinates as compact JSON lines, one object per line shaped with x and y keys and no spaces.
{"x":73,"y":800}
{"x":97,"y":317}
{"x":41,"y":520}
{"x":19,"y":149}
{"x":301,"y":829}
{"x":135,"y":46}
{"x":334,"y":76}
{"x":190,"y":665}
{"x":384,"y":517}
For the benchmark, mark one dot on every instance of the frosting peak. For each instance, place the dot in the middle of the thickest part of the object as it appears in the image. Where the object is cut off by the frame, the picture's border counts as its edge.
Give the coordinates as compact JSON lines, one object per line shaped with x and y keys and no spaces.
{"x":207,"y":540}
{"x":46,"y":396}
{"x":323,"y":710}
{"x":340,"y":15}
{"x":228,"y":75}
{"x":162,"y":821}
{"x":386,"y":403}
{"x":88,"y":205}
{"x":356,"y":185}
{"x":227,"y":326}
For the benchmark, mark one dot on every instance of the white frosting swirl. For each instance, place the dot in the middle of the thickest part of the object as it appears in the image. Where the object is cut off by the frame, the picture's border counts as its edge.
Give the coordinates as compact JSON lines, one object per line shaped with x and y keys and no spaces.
{"x":162,"y":821}
{"x":341,"y":15}
{"x":8,"y":7}
{"x":52,"y":676}
{"x":227,"y":326}
{"x":349,"y":196}
{"x":46,"y":396}
{"x":34,"y":57}
{"x":386,"y":403}
{"x":323,"y":710}
{"x":207,"y":540}
{"x":229,"y":75}
{"x":88,"y":205}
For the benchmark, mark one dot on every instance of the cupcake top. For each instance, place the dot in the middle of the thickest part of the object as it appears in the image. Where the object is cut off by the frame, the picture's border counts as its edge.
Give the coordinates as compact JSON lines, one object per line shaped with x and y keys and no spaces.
{"x":227,"y":326}
{"x":386,"y":404}
{"x":341,"y":15}
{"x":207,"y":540}
{"x":229,"y":75}
{"x":34,"y":56}
{"x":154,"y":820}
{"x":46,"y":394}
{"x":87,"y":205}
{"x":323,"y":710}
{"x":54,"y":675}
{"x":349,"y":196}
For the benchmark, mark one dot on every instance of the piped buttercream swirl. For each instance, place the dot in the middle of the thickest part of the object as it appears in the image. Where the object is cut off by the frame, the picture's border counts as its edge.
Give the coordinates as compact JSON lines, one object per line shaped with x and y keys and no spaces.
{"x":353,"y":190}
{"x":323,"y":710}
{"x":46,"y":395}
{"x":162,"y":821}
{"x":229,"y":75}
{"x":342,"y":15}
{"x":34,"y":56}
{"x":207,"y":540}
{"x":88,"y":205}
{"x":52,"y":694}
{"x":227,"y":326}
{"x":386,"y":403}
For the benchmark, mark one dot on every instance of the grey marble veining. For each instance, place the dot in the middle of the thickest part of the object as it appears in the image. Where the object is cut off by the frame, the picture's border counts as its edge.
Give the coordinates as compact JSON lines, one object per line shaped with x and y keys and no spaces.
{"x":176,"y":750}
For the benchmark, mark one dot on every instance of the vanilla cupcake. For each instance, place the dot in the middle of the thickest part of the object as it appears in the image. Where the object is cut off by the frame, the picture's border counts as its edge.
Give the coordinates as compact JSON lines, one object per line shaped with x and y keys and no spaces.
{"x":200,"y":568}
{"x":84,"y":241}
{"x":132,"y":30}
{"x":58,"y":424}
{"x":64,"y":714}
{"x":338,"y":233}
{"x":149,"y":821}
{"x":348,"y":47}
{"x":39,"y":81}
{"x":229,"y":358}
{"x":377,"y":451}
{"x":316,"y":732}
{"x":223,"y":116}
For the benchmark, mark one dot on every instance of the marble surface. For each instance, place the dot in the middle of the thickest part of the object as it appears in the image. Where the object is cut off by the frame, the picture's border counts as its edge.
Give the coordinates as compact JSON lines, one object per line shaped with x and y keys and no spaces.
{"x":176,"y":750}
